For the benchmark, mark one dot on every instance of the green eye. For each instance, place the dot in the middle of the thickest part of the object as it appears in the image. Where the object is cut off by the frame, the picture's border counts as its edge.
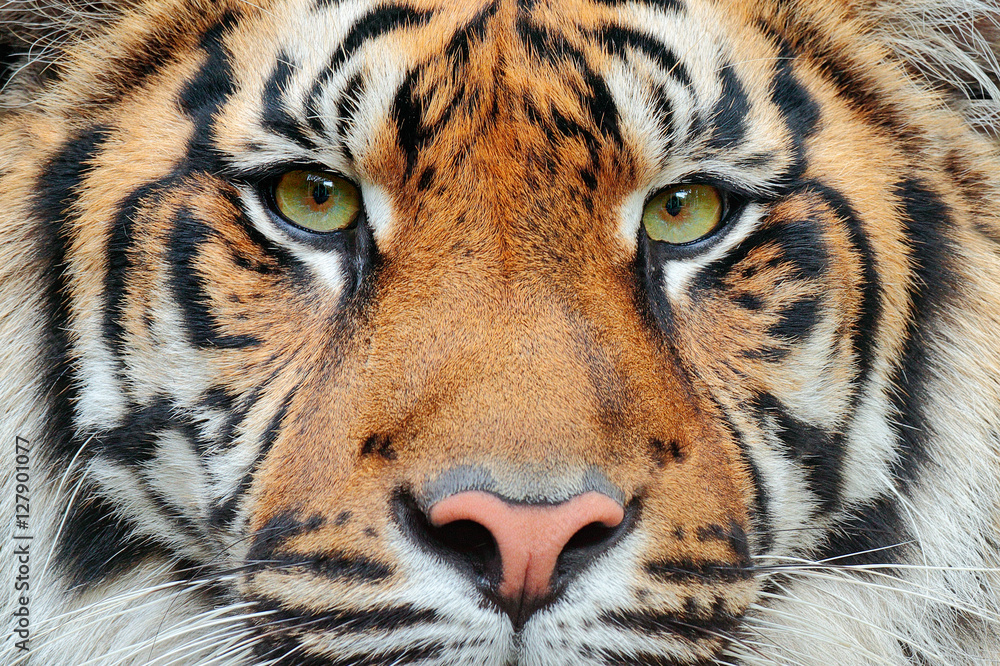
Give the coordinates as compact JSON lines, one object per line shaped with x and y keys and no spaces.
{"x":317,"y":201}
{"x":683,"y":213}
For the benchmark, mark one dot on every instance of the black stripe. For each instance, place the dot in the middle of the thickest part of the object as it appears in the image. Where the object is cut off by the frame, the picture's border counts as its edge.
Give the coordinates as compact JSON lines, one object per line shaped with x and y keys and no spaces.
{"x":861,"y":92}
{"x":97,"y":543}
{"x":369,"y":27}
{"x":133,"y":443}
{"x":567,"y":127}
{"x":168,"y":509}
{"x":204,"y":96}
{"x":801,"y":247}
{"x":798,"y":109}
{"x":975,"y":185}
{"x":611,"y":658}
{"x":147,"y":55}
{"x":291,"y":650}
{"x":616,"y":39}
{"x":667,"y":5}
{"x":458,"y":47}
{"x":410,"y":655}
{"x":236,"y":416}
{"x":678,"y":571}
{"x":57,"y":187}
{"x":599,"y":104}
{"x":408,"y":112}
{"x":653,"y":305}
{"x":692,"y":626}
{"x":663,"y":111}
{"x":119,"y":263}
{"x":10,"y":60}
{"x":796,"y":320}
{"x":270,"y":257}
{"x":83,"y":558}
{"x":347,"y":106}
{"x":274,"y":426}
{"x":879,"y":526}
{"x":269,"y":538}
{"x":988,"y":231}
{"x":222,"y":513}
{"x":872,"y":534}
{"x":374,"y":24}
{"x":748,"y":301}
{"x":187,"y":237}
{"x":217,"y":397}
{"x":729,"y":113}
{"x":760,"y":510}
{"x":865,"y":332}
{"x":200,"y":99}
{"x":337,"y":621}
{"x":426,"y":178}
{"x":225,"y":512}
{"x":357,"y":569}
{"x":275,"y":116}
{"x":926,"y":225}
{"x":820,"y":452}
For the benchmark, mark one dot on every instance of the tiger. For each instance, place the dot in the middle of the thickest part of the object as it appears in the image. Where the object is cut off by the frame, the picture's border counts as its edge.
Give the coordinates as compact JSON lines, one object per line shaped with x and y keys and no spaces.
{"x":500,"y":332}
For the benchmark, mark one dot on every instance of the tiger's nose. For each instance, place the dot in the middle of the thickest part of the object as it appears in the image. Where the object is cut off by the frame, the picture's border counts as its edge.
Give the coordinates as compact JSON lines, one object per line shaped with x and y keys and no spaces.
{"x":531,"y":538}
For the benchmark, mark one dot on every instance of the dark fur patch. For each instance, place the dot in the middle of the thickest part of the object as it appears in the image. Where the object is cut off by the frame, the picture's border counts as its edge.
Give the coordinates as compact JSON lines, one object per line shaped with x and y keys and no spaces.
{"x":819,"y":451}
{"x":86,"y":561}
{"x":926,"y":226}
{"x":58,"y":186}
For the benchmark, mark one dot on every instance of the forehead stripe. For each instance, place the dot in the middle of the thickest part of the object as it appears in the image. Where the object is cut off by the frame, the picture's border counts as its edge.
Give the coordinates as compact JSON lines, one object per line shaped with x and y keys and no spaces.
{"x":275,"y":116}
{"x":616,"y":39}
{"x":369,"y":27}
{"x":729,"y":114}
{"x":458,"y":47}
{"x":798,"y":109}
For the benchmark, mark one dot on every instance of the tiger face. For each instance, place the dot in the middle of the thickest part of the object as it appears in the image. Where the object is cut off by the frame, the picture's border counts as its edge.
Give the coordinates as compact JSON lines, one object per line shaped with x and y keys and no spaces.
{"x":510,"y":332}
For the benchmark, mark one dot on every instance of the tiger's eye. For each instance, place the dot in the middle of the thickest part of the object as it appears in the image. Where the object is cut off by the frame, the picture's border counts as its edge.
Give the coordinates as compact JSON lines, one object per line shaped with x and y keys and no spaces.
{"x":317,"y":201}
{"x":683,"y":214}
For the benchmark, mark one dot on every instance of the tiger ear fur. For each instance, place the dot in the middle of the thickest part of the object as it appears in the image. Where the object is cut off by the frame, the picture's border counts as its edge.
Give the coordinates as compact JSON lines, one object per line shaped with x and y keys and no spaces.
{"x":952,"y":45}
{"x":35,"y":33}
{"x":40,"y":24}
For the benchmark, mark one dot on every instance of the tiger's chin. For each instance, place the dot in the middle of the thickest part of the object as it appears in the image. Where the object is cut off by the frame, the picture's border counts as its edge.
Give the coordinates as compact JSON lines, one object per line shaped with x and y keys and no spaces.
{"x":555,"y":636}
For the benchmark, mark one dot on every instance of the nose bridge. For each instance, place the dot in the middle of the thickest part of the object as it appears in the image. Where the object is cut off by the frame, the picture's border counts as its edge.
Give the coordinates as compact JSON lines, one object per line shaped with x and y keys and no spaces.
{"x":482,"y":360}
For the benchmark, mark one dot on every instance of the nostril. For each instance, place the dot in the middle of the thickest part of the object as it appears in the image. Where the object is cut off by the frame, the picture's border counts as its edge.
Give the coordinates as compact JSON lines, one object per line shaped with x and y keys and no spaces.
{"x":589,"y":536}
{"x":467,"y":538}
{"x":589,"y":542}
{"x":466,"y":544}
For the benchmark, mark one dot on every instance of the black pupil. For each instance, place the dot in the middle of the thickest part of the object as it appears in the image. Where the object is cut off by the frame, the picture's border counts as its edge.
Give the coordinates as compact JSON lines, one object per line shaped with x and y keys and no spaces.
{"x":674,"y":204}
{"x":321,"y":191}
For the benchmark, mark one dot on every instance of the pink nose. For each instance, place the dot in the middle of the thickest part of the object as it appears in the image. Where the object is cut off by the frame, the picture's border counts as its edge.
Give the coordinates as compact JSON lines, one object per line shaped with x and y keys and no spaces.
{"x":530,"y":538}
